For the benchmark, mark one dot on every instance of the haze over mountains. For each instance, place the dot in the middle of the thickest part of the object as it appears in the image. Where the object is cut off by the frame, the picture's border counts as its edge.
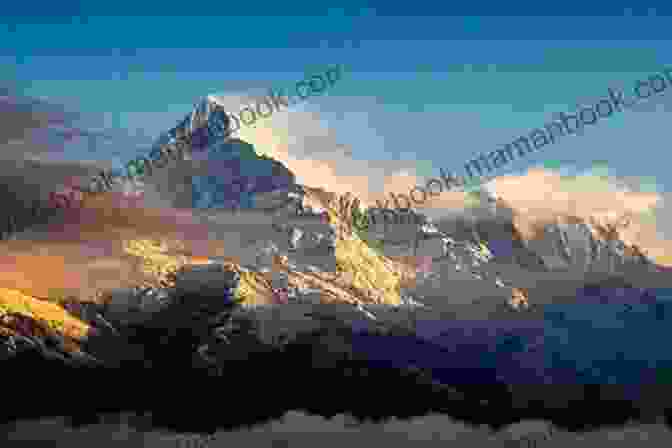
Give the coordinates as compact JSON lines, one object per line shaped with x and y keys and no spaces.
{"x":445,"y":295}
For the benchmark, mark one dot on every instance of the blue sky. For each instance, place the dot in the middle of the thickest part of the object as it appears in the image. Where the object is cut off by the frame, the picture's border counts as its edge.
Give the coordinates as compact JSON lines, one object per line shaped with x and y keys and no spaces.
{"x":425,"y":91}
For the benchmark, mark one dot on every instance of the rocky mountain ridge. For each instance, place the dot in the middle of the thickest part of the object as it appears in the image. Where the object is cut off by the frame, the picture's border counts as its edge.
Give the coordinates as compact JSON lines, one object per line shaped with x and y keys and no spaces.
{"x":277,"y":270}
{"x":292,"y":259}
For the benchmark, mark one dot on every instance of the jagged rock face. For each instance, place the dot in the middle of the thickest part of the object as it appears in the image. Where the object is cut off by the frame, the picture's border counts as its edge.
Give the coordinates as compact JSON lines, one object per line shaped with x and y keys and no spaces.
{"x":583,"y":246}
{"x":503,"y":240}
{"x":237,"y":176}
{"x":430,"y":253}
{"x":579,"y":232}
{"x":223,"y":173}
{"x":361,"y":273}
{"x":392,"y":226}
{"x":206,"y":124}
{"x":483,"y":239}
{"x":231,"y":174}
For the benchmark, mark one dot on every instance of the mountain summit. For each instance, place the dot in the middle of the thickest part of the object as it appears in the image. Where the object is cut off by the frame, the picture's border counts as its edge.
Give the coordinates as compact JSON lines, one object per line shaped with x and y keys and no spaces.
{"x":227,"y":223}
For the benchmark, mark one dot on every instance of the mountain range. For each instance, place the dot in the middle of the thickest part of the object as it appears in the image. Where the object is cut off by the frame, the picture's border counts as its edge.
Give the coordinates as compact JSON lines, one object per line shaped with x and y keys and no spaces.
{"x":74,"y":283}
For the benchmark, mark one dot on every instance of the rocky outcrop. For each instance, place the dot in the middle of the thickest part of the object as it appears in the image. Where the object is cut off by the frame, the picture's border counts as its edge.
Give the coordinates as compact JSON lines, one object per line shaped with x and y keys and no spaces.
{"x":235,"y":175}
{"x":414,"y":241}
{"x":586,"y":244}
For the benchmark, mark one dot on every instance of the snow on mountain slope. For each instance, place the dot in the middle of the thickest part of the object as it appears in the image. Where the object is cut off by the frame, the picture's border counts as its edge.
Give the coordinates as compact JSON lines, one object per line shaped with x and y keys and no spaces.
{"x":581,"y":223}
{"x":524,"y":230}
{"x":283,"y":258}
